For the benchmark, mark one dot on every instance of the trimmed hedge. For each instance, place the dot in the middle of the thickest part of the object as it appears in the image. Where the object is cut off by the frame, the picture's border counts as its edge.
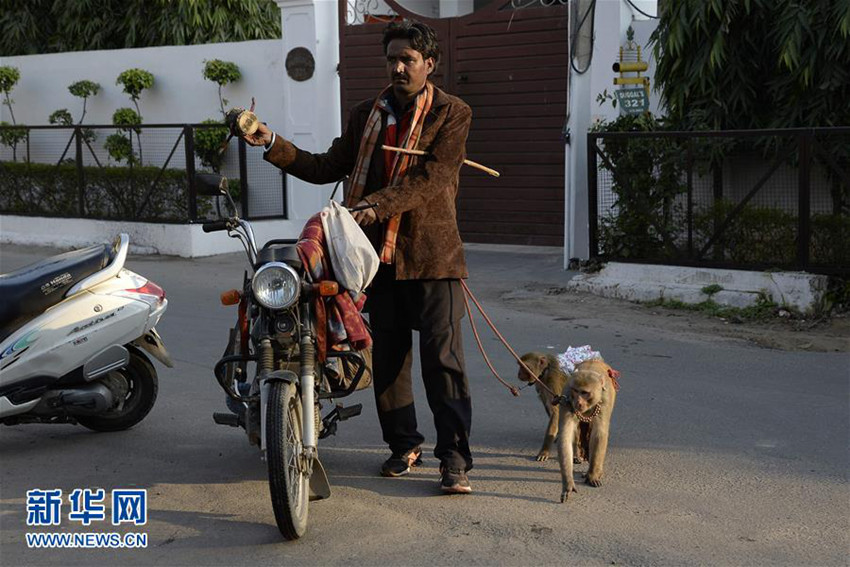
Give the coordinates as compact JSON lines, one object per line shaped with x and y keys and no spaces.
{"x":757,"y":236}
{"x":110,"y":192}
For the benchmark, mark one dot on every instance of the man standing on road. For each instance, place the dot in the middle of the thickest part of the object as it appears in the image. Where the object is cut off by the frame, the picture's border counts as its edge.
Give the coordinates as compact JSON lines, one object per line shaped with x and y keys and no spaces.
{"x":413,"y":226}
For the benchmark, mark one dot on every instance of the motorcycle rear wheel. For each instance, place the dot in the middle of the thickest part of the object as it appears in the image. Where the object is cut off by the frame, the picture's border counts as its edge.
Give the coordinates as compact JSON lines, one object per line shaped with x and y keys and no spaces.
{"x":288,"y":485}
{"x":142,"y":386}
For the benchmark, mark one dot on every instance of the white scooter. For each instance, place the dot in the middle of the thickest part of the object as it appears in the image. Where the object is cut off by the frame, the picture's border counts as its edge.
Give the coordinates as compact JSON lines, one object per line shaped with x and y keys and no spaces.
{"x":74,"y":329}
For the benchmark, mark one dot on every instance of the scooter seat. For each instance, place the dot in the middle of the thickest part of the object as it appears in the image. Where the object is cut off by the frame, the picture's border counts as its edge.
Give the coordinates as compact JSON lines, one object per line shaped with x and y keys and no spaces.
{"x":31,"y":290}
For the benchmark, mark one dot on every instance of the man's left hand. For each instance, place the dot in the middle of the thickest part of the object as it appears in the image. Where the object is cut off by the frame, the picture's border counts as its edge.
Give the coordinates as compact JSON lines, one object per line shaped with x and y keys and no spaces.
{"x":366,"y":216}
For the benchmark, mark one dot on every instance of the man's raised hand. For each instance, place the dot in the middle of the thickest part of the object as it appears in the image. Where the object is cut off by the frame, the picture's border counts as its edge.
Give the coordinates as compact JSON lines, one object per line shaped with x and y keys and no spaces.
{"x":262,"y":137}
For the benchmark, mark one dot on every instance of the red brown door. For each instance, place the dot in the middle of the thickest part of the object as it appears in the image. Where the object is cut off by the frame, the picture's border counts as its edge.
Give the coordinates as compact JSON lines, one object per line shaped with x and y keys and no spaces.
{"x":510,"y":65}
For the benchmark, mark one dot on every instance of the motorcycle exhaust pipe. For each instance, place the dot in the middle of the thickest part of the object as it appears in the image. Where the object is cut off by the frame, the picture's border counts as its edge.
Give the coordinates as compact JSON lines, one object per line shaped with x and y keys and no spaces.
{"x":91,"y":399}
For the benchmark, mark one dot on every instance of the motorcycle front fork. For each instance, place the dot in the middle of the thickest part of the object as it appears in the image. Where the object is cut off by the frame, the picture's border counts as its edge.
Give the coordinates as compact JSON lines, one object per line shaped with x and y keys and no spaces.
{"x":307,"y":381}
{"x":308,"y":419}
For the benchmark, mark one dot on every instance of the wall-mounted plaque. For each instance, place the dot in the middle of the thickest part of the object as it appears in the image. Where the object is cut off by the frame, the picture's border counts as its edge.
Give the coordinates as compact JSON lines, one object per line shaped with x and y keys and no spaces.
{"x":300,"y":64}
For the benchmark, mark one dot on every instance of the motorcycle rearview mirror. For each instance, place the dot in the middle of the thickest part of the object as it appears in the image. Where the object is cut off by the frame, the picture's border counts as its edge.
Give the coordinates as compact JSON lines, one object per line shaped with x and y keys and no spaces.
{"x":210,"y":184}
{"x":213,"y":185}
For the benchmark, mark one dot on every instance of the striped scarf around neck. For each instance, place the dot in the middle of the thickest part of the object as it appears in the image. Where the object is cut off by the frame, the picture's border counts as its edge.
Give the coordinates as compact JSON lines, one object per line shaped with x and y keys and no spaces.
{"x":400,"y":163}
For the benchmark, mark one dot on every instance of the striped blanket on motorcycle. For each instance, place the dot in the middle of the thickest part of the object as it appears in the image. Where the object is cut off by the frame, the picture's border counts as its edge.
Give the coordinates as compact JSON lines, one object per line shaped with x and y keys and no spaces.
{"x":338,"y":318}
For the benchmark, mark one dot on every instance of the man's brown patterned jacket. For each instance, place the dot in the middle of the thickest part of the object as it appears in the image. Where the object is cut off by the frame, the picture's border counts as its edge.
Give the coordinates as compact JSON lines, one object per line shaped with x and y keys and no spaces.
{"x":428,"y":245}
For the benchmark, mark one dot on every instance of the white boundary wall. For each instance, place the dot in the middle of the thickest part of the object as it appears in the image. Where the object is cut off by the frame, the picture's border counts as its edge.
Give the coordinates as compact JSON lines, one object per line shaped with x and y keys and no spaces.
{"x":187,"y":240}
{"x":180,"y":93}
{"x":306,"y":112}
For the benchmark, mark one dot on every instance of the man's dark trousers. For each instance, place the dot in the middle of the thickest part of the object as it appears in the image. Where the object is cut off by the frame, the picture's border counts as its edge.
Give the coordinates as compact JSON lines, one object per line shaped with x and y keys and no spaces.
{"x":434,"y":308}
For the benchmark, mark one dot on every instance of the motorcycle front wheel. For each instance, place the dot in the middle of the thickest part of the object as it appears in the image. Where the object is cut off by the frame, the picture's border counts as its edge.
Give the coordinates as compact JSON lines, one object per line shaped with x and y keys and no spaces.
{"x":288,"y":484}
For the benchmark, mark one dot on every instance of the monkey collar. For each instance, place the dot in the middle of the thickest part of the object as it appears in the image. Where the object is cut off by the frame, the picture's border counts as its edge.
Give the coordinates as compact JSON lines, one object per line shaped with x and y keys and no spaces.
{"x":588,"y":418}
{"x":565,"y":401}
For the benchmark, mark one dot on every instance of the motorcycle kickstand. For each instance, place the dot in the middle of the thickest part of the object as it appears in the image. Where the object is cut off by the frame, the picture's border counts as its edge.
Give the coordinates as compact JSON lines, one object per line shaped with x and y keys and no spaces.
{"x":339,"y":413}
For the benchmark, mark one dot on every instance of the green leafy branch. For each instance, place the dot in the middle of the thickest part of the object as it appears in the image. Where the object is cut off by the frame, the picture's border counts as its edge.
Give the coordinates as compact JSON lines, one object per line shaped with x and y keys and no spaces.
{"x":222,"y":73}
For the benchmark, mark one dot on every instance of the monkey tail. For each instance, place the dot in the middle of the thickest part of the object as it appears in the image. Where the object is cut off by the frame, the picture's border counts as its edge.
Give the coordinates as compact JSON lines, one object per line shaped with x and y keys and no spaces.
{"x":513,"y":390}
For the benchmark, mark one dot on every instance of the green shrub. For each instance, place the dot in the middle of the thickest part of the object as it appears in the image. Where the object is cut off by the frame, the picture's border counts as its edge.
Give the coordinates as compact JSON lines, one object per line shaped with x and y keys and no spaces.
{"x":126,"y":118}
{"x":120,"y":148}
{"x":757,"y":235}
{"x":712,"y":289}
{"x":61,"y":116}
{"x":9,"y":77}
{"x":645,"y":219}
{"x":12,"y":136}
{"x":830,"y":240}
{"x":134,"y":81}
{"x":110,"y":193}
{"x":221,"y":73}
{"x":64,"y":118}
{"x":84,"y":89}
{"x":120,"y":145}
{"x":208,"y":143}
{"x":117,"y":193}
{"x":89,"y":135}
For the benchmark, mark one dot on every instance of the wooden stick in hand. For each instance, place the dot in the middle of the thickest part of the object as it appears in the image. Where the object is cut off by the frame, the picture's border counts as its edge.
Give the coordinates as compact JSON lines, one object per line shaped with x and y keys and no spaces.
{"x":468,"y":162}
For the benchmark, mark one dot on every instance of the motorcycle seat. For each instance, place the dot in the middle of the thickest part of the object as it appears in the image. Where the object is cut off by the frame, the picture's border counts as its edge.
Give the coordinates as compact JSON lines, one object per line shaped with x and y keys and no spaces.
{"x":31,"y":290}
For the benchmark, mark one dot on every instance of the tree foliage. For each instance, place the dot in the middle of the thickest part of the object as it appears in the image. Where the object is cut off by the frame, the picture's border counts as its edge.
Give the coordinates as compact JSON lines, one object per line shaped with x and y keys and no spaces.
{"x":120,"y":145}
{"x":127,"y":119}
{"x":9,"y":77}
{"x":49,"y":26}
{"x":120,"y":148}
{"x":725,"y":64}
{"x":61,"y":117}
{"x":221,"y":73}
{"x":11,"y":137}
{"x":134,"y":82}
{"x":84,"y":89}
{"x":208,"y":142}
{"x":646,"y":183}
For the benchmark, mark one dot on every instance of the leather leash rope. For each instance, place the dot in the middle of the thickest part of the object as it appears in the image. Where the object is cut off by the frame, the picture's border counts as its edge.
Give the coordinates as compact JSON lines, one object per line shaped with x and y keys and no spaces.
{"x":513,"y":389}
{"x":467,"y":292}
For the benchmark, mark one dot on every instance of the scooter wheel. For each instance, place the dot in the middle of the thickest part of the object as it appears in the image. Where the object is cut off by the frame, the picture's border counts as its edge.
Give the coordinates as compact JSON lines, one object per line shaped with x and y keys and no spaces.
{"x":141,"y":395}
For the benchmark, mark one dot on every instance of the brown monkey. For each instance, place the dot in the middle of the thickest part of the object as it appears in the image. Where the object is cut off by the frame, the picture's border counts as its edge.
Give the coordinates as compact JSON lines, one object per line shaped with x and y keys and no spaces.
{"x":546,"y":368}
{"x":589,"y":397}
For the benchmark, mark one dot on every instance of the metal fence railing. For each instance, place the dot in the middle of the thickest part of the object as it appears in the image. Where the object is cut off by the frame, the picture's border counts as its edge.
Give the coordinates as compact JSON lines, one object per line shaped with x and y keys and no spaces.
{"x":135,"y":173}
{"x":754,"y":199}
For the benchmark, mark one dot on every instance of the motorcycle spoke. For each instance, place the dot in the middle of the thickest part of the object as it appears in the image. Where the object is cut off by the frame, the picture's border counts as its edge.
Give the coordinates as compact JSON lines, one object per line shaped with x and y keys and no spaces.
{"x":293,"y":468}
{"x":287,"y":480}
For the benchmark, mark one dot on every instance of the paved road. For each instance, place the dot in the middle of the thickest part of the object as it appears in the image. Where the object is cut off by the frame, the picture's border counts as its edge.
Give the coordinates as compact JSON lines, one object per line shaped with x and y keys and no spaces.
{"x":721,"y":453}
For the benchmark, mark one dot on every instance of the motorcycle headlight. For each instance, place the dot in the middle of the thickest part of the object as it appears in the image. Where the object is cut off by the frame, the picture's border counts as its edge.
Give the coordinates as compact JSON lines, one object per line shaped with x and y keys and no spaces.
{"x":276,"y":285}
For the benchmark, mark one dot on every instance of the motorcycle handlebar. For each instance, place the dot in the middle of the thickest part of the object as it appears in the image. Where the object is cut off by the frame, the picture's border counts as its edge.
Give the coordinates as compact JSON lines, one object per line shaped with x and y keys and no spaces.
{"x":215,"y":226}
{"x":362,"y":207}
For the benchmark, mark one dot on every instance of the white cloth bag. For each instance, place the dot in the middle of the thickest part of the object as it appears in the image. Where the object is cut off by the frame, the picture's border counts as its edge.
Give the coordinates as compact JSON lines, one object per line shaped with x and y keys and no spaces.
{"x":353,"y":259}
